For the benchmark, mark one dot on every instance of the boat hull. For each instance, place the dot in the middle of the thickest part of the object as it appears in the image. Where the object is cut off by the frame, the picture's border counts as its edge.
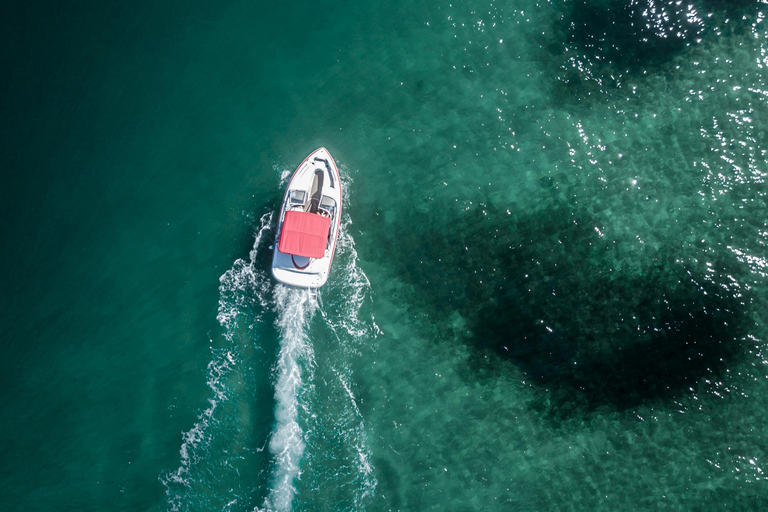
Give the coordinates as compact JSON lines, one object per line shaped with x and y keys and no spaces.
{"x":314,"y":189}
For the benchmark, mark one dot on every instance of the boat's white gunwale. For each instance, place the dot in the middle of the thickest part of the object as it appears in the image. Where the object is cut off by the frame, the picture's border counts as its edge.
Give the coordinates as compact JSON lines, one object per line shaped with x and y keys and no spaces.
{"x":294,"y":276}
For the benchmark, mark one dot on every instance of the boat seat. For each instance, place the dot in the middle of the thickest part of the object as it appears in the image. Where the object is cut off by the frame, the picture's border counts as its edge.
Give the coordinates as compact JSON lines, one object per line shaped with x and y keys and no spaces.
{"x":327,"y":202}
{"x":298,"y":197}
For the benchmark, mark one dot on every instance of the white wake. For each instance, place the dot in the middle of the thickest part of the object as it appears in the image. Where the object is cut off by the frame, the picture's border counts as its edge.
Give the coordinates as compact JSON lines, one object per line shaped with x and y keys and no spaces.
{"x":242,"y":295}
{"x":295,"y":309}
{"x":325,"y":404}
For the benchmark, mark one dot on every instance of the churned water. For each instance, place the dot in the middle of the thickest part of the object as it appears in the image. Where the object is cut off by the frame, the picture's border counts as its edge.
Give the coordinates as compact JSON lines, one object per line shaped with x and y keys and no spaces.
{"x":548,"y":294}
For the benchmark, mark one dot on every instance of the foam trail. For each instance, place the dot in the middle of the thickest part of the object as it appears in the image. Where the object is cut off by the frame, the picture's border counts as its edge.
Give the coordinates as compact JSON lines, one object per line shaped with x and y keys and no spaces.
{"x":295,"y":309}
{"x":305,"y":418}
{"x":243,"y":283}
{"x":335,"y":434}
{"x":356,"y":288}
{"x":239,"y":288}
{"x":351,"y":331}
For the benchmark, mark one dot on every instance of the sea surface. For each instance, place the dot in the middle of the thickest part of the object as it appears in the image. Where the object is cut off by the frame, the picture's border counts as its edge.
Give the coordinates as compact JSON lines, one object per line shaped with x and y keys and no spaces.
{"x":550,"y":287}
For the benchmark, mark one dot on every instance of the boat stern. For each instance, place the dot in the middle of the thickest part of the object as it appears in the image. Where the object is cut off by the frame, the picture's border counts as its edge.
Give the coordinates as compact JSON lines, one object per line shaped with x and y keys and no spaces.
{"x":299,"y":279}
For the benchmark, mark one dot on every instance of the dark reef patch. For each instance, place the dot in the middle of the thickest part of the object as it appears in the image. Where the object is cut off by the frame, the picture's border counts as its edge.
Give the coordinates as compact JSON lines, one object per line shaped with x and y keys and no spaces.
{"x":587,"y":323}
{"x":606,"y":41}
{"x":630,"y":35}
{"x":731,"y":7}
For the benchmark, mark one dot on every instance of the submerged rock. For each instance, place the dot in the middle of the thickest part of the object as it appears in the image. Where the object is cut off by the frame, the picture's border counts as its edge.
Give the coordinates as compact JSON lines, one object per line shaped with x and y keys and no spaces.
{"x":585,"y":321}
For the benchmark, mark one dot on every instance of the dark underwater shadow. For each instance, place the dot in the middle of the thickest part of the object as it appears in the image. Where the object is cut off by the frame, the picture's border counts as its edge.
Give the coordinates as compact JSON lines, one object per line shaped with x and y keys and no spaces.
{"x":731,"y":8}
{"x":631,"y":34}
{"x":589,"y":325}
{"x":601,"y":43}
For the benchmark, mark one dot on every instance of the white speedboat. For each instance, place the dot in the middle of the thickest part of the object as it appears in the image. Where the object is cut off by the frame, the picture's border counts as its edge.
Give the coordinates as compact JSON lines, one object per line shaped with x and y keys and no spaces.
{"x":309,"y":223}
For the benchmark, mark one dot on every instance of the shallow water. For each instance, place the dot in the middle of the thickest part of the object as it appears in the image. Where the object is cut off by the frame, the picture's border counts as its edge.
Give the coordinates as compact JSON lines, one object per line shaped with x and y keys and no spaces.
{"x":549,"y":291}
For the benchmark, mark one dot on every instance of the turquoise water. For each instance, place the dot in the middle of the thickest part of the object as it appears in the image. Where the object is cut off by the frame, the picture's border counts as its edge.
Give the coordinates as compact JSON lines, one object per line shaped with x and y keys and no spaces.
{"x":549,"y":292}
